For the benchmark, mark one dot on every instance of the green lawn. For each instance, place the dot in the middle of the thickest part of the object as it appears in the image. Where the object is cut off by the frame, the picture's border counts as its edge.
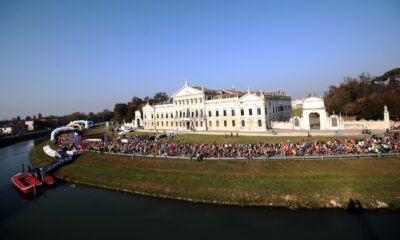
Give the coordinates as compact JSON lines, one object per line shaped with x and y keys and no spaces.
{"x":294,"y":184}
{"x":205,"y":138}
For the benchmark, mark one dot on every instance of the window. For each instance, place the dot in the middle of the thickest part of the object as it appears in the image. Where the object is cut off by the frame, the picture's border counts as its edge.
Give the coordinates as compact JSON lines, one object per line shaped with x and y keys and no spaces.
{"x":209,"y":113}
{"x":250,"y":111}
{"x":162,"y":124}
{"x":296,"y":122}
{"x":166,"y":124}
{"x":242,"y":112}
{"x":195,"y":100}
{"x":183,"y":114}
{"x":233,"y":112}
{"x":157,"y":124}
{"x":157,"y":115}
{"x":233,"y":123}
{"x":201,"y":113}
{"x":217,"y":123}
{"x":197,"y":113}
{"x":191,"y":101}
{"x":201,"y":123}
{"x":209,"y":123}
{"x":200,"y":100}
{"x":172,"y":124}
{"x":172,"y":116}
{"x":225,"y":124}
{"x":217,"y":113}
{"x":258,"y":111}
{"x":224,"y":113}
{"x":180,"y":124}
{"x":334,"y":122}
{"x":243,"y":123}
{"x":166,"y":115}
{"x":192,"y":114}
{"x":259,"y":123}
{"x":197,"y":123}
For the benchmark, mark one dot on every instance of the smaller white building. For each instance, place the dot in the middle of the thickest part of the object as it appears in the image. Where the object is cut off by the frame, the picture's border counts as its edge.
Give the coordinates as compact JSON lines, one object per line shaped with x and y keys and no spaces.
{"x":315,"y":117}
{"x":296,"y":104}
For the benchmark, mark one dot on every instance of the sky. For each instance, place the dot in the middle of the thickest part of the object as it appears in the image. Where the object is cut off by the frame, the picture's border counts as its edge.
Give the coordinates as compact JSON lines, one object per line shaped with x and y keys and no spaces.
{"x":60,"y":57}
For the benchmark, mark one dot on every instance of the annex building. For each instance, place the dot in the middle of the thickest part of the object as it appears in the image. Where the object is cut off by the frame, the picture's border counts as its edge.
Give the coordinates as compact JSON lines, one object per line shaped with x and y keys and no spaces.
{"x":202,"y":109}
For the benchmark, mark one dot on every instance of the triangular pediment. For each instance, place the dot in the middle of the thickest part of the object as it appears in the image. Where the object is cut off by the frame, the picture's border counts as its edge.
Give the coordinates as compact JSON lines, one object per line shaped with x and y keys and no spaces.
{"x":250,"y":97}
{"x":186,"y":91}
{"x":147,"y":107}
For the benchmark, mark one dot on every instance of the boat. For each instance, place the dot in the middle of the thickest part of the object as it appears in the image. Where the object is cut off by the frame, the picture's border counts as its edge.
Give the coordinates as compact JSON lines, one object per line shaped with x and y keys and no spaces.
{"x":49,"y":180}
{"x":25,"y":182}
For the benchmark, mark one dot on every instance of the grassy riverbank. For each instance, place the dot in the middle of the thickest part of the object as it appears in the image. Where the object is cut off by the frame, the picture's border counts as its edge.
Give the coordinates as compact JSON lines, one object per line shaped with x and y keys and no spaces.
{"x":371,"y":183}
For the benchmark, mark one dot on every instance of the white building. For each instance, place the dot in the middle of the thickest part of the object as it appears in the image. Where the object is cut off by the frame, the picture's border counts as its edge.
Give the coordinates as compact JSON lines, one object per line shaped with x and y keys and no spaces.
{"x":202,"y":109}
{"x":297,"y":104}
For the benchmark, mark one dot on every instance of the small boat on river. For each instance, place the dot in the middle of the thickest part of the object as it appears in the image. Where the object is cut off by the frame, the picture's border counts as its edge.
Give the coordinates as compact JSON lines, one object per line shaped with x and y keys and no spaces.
{"x":49,"y":180}
{"x":25,"y":182}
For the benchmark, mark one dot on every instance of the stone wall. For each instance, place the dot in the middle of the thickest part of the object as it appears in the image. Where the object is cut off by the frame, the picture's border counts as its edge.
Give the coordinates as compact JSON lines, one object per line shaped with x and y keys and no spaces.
{"x":370,"y":124}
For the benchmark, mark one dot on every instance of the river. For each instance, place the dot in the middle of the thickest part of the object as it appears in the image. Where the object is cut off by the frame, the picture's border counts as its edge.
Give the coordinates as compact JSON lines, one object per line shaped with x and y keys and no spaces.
{"x":71,"y":211}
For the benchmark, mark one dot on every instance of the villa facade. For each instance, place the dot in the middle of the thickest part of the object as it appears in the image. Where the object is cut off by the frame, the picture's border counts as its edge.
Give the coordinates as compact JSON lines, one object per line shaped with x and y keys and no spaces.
{"x":202,"y":109}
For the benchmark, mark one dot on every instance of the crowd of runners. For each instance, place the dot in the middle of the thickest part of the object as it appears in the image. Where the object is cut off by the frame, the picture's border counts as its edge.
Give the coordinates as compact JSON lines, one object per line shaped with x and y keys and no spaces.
{"x":141,"y":146}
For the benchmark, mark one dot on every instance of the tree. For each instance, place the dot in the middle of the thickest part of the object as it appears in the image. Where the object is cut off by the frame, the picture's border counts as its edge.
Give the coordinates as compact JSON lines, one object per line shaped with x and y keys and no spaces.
{"x":34,"y":117}
{"x":120,"y":110}
{"x":364,"y":97}
{"x":39,"y":116}
{"x":160,"y":97}
{"x":392,"y":75}
{"x":18,"y":118}
{"x":28,"y":118}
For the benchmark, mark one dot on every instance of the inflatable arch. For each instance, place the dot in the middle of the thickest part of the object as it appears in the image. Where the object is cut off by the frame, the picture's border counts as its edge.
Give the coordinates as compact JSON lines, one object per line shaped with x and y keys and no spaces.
{"x":76,"y":125}
{"x":62,"y":130}
{"x":85,"y":123}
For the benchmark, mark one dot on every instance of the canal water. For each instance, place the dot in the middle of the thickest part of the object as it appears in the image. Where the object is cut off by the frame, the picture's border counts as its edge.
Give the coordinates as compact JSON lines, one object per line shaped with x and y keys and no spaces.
{"x":71,"y":211}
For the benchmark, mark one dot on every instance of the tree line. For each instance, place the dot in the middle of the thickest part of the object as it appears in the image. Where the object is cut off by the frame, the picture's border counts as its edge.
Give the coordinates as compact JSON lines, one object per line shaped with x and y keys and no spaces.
{"x":365,"y":96}
{"x":53,"y":121}
{"x":126,"y":111}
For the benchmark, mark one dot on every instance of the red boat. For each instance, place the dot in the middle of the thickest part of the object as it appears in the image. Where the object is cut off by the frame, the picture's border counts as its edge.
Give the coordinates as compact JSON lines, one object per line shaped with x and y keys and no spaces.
{"x":49,"y":180}
{"x":25,"y":182}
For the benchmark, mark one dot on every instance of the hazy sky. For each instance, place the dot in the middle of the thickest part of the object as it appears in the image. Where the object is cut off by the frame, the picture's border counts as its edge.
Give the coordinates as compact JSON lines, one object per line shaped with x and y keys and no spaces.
{"x":58,"y":57}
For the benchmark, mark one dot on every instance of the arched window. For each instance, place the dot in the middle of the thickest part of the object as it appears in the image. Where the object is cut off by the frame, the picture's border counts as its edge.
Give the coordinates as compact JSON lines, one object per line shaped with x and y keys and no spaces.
{"x":197,"y":113}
